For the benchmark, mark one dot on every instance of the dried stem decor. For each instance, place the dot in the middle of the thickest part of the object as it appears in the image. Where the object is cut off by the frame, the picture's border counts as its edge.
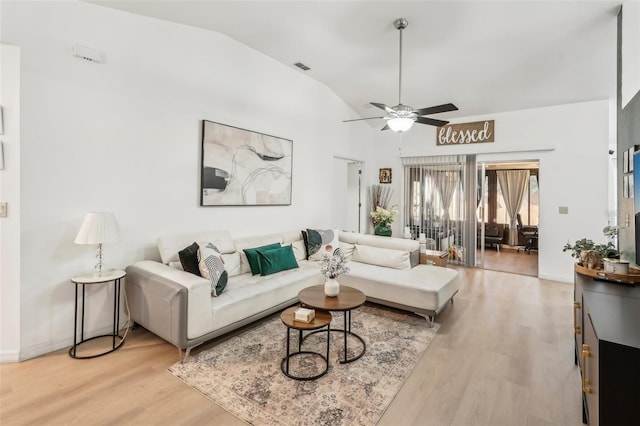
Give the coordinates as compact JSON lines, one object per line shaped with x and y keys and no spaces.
{"x":380,"y":196}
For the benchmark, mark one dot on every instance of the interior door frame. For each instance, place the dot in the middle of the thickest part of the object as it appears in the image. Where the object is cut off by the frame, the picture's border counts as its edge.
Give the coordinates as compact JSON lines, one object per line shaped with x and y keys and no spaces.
{"x":361,"y":165}
{"x":508,"y":157}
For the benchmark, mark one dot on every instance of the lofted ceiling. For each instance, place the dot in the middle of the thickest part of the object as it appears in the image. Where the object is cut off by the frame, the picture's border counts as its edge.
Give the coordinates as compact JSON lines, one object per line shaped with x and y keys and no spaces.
{"x":484,"y":56}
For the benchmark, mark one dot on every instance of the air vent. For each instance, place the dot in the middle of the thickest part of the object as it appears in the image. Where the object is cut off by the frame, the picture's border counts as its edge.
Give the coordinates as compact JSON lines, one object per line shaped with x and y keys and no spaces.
{"x":302,"y":66}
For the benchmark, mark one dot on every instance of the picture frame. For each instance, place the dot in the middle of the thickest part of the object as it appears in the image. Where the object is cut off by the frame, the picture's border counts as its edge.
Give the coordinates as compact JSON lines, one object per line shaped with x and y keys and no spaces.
{"x":625,"y":186}
{"x":631,"y":186}
{"x":625,"y":161}
{"x":385,"y":175}
{"x":630,"y":157}
{"x":242,"y":167}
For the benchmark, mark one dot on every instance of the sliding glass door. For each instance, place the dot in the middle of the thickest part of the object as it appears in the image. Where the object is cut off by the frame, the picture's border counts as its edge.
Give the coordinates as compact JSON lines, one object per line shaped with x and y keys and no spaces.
{"x":439,"y":209}
{"x":482,"y":208}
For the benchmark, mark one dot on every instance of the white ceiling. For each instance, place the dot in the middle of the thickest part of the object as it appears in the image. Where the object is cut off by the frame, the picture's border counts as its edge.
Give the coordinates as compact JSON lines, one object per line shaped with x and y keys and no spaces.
{"x":485,"y":57}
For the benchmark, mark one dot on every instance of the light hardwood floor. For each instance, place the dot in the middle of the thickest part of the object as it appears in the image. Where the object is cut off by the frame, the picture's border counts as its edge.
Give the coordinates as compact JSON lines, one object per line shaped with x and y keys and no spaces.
{"x":511,"y":260}
{"x":503,"y":356}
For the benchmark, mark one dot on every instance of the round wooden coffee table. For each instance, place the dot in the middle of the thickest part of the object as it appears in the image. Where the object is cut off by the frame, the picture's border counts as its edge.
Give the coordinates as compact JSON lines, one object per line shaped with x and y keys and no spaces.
{"x":322,"y":319}
{"x":348,"y":299}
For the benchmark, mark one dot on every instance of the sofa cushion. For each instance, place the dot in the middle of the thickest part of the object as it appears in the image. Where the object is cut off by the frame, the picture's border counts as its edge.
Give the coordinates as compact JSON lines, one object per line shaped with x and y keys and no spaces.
{"x":425,"y":287}
{"x":252,"y":242}
{"x":347,"y":248}
{"x":388,"y":243}
{"x":319,"y":240}
{"x":276,"y":260}
{"x":396,"y":259}
{"x":252,"y":256}
{"x":212,"y":268}
{"x":189,"y":259}
{"x":170,"y":246}
{"x":232,"y":263}
{"x":297,"y":243}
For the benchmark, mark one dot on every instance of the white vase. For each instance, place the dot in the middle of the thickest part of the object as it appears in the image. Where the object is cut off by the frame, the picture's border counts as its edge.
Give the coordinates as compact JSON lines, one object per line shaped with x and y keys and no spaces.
{"x":331,"y":287}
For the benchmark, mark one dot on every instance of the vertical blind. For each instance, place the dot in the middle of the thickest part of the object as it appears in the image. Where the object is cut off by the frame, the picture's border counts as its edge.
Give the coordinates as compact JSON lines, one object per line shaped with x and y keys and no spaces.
{"x":438,"y":204}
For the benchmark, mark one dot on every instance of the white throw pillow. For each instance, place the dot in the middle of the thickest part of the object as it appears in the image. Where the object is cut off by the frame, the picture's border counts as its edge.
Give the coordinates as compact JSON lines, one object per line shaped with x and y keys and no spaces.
{"x":321,"y":242}
{"x":212,"y":268}
{"x":390,"y":258}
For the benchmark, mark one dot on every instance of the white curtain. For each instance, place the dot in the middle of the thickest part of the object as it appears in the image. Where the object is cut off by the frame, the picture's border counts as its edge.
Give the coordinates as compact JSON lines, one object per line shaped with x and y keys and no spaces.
{"x":447,"y":182}
{"x":513,"y":184}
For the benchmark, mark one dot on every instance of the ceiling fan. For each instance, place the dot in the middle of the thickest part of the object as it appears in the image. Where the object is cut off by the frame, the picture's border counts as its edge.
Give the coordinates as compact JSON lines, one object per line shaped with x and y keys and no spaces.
{"x":401,"y":117}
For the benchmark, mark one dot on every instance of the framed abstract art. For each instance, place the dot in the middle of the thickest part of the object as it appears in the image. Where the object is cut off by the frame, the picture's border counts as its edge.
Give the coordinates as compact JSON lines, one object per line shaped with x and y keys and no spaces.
{"x":244,"y":168}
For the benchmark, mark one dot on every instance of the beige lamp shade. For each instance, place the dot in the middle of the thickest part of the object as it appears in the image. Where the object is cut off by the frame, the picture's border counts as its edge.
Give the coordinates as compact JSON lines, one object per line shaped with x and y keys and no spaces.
{"x":98,"y":228}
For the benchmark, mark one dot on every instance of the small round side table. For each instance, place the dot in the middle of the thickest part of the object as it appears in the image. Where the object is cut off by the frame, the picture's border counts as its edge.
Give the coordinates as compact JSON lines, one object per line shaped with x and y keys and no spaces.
{"x":322,"y":319}
{"x":103,"y":277}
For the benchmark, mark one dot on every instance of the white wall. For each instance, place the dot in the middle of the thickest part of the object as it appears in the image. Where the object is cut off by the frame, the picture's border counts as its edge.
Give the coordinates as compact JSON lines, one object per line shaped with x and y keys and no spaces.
{"x":630,"y":50}
{"x":124,"y":136}
{"x":570,"y":141}
{"x":10,"y":193}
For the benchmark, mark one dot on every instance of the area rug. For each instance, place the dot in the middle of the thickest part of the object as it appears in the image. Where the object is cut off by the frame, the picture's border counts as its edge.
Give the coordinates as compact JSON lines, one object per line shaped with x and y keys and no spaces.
{"x":242,"y":374}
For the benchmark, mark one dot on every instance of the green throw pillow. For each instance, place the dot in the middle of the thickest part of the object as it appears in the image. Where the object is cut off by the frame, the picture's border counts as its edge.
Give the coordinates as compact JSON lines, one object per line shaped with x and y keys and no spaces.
{"x":276,"y":260}
{"x":252,"y":256}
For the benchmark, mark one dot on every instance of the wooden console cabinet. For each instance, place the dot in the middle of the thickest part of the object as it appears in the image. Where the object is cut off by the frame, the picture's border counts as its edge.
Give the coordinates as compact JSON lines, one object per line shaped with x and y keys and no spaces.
{"x":607,"y":339}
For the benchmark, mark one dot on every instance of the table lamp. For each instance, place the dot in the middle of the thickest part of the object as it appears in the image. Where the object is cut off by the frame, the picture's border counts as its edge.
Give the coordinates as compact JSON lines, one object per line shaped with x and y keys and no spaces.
{"x":98,"y":228}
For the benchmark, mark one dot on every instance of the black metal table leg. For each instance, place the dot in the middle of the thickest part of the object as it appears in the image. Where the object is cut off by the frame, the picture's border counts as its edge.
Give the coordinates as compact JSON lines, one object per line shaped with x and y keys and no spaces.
{"x":116,"y":339}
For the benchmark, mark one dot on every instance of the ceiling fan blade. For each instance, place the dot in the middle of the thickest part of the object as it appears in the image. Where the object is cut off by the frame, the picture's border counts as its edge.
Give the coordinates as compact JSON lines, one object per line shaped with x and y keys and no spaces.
{"x":360,"y":119}
{"x":436,"y":109}
{"x":383,"y":106}
{"x":431,"y":121}
{"x":386,"y":127}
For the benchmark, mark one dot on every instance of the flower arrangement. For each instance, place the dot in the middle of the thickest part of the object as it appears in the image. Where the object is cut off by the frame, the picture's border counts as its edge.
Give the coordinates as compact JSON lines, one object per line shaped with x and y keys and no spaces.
{"x":334,"y":264}
{"x":383,"y":216}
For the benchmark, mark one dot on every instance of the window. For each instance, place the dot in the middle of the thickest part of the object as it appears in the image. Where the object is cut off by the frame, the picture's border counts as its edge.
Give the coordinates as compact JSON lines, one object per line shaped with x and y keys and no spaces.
{"x":494,"y":202}
{"x":528,"y":209}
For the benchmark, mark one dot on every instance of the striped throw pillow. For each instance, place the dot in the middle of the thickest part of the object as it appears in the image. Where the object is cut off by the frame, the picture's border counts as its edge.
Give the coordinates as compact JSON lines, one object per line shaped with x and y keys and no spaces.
{"x":212,"y":268}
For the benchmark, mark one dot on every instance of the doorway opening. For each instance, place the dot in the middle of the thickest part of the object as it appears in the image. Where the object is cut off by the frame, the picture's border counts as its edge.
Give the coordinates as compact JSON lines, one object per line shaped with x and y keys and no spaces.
{"x":347,"y":194}
{"x":508,"y":216}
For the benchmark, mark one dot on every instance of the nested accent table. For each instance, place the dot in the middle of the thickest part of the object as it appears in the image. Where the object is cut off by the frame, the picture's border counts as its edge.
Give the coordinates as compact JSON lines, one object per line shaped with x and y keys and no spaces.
{"x":322,"y":319}
{"x":348,"y":299}
{"x":102,"y":278}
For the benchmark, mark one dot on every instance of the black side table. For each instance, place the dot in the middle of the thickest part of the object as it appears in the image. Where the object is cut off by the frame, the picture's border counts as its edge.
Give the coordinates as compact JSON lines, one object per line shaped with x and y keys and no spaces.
{"x":99,"y":278}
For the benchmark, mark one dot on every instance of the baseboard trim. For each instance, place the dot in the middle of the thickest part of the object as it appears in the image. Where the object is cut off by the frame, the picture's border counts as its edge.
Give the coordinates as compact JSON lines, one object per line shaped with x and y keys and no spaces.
{"x":9,"y":356}
{"x":57,"y":344}
{"x":555,"y":278}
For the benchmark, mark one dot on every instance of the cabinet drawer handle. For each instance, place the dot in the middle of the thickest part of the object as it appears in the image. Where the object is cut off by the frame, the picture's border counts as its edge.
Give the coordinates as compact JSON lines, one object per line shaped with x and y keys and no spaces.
{"x":576,"y":327}
{"x":585,"y":381}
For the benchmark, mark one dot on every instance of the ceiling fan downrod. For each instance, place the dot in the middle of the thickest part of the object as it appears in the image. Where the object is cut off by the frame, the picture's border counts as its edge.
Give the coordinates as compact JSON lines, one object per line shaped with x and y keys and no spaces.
{"x":400,"y":24}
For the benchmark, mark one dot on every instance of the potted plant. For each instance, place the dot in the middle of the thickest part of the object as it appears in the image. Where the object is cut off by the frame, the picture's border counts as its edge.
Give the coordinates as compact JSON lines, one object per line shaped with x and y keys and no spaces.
{"x":333,"y":265}
{"x":590,"y":254}
{"x":382,"y":218}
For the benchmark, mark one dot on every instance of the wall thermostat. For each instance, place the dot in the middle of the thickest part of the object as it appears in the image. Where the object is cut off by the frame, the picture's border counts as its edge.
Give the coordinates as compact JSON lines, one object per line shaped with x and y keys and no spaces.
{"x":87,"y":53}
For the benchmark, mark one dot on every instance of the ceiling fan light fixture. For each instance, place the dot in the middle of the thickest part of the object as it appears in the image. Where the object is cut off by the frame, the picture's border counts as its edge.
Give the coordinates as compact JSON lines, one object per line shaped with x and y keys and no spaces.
{"x":400,"y":124}
{"x":400,"y":118}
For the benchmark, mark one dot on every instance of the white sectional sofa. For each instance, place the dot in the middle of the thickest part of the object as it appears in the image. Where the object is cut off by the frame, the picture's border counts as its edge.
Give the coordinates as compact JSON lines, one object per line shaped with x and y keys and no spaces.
{"x":178,"y":306}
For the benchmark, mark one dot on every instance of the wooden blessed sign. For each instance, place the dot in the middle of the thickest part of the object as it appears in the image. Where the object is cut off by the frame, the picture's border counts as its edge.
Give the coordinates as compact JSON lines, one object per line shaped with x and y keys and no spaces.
{"x":465,"y":133}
